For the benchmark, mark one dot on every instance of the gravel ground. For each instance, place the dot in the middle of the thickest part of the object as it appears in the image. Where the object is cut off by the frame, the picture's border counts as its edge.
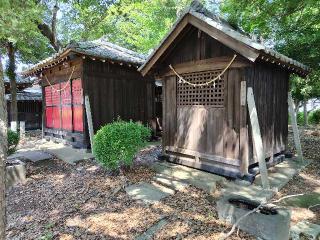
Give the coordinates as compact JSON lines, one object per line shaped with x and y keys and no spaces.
{"x":307,"y":181}
{"x":60,"y":201}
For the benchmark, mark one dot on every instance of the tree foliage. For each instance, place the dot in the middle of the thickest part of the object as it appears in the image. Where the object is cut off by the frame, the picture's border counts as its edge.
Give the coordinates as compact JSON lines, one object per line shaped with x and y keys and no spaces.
{"x":18,"y":26}
{"x":291,"y":27}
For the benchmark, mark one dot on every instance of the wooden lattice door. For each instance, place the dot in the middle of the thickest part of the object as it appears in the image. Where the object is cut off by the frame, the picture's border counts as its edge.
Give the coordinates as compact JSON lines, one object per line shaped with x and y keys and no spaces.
{"x":200,"y":113}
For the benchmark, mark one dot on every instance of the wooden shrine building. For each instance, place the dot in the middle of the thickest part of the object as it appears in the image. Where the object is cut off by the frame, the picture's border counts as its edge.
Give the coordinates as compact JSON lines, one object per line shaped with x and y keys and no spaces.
{"x":206,"y":67}
{"x":103,"y":71}
{"x":29,"y":101}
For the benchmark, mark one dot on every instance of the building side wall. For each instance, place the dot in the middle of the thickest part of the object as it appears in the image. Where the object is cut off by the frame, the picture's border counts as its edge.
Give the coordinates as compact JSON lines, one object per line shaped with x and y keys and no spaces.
{"x":117,"y":91}
{"x":270,"y":87}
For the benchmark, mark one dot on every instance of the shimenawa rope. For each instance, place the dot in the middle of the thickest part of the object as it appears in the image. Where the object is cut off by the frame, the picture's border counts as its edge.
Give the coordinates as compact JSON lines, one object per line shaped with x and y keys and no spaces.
{"x":206,"y":83}
{"x":68,"y":82}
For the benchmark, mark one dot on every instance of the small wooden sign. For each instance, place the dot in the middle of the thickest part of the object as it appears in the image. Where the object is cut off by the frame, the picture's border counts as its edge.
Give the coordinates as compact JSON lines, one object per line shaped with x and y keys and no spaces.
{"x":243,"y":94}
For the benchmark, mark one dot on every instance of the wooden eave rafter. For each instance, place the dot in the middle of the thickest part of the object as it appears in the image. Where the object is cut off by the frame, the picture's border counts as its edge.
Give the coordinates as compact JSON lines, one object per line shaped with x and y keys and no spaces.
{"x":64,"y":56}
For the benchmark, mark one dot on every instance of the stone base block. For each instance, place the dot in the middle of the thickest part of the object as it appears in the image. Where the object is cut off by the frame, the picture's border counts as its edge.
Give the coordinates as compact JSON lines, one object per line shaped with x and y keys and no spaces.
{"x":15,"y":173}
{"x":269,"y":223}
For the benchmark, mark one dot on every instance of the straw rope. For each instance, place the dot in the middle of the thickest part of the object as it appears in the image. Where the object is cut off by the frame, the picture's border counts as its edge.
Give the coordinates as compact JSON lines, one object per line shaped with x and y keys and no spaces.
{"x":68,"y":82}
{"x":206,"y":83}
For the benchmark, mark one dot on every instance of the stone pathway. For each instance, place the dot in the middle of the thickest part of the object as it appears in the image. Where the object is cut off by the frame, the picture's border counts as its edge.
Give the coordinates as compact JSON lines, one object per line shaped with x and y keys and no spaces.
{"x":44,"y":150}
{"x":200,"y":179}
{"x":282,"y":173}
{"x":33,"y":155}
{"x":278,"y":175}
{"x":312,"y":231}
{"x":148,"y":193}
{"x":147,"y":235}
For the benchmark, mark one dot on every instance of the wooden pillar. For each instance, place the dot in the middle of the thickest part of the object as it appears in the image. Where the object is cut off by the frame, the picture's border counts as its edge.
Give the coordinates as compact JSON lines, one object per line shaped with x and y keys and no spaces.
{"x":295,"y":127}
{"x":14,"y":126}
{"x":22,"y":129}
{"x":89,"y":119}
{"x":244,"y":148}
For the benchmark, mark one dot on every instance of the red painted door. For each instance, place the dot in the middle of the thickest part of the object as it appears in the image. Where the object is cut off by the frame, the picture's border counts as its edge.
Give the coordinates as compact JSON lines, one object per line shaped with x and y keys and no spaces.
{"x":66,"y":109}
{"x":64,"y":106}
{"x":77,"y":105}
{"x":48,"y":110}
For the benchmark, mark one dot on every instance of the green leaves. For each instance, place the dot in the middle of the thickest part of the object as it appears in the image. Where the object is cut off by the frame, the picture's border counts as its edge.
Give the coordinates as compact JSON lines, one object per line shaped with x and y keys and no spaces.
{"x":291,"y":26}
{"x":117,"y":143}
{"x":18,"y":26}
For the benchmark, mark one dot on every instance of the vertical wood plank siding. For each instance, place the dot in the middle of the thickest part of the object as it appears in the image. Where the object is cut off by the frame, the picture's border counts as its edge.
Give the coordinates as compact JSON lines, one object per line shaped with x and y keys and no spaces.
{"x":219,"y":138}
{"x":117,"y":91}
{"x":270,"y":85}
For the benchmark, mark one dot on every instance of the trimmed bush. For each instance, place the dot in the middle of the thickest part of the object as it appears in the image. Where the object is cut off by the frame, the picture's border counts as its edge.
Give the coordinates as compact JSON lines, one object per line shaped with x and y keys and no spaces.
{"x":115,"y":144}
{"x":13,"y":140}
{"x":314,"y":117}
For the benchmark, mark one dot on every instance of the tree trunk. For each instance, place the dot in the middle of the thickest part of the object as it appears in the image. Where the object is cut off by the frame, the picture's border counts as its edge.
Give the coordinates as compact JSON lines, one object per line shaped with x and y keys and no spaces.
{"x":296,"y":106}
{"x":11,"y":72}
{"x":305,"y":113}
{"x":3,"y":154}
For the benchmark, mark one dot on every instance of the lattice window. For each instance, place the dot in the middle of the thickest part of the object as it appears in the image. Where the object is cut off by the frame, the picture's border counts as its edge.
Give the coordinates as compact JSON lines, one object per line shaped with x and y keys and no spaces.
{"x":209,"y":95}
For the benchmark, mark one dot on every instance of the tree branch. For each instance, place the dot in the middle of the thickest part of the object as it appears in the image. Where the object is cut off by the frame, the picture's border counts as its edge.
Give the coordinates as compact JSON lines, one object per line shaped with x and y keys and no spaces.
{"x":51,"y":33}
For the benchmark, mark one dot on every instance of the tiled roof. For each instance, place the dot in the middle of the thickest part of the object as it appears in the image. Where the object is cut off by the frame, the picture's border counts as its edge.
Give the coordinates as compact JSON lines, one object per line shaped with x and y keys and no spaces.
{"x":26,"y":96}
{"x":99,"y":48}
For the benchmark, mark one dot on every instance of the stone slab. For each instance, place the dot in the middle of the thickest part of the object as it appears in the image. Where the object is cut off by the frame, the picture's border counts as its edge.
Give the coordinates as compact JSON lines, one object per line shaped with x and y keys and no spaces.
{"x":264,"y":226}
{"x":282,"y":173}
{"x":200,"y":179}
{"x":35,"y":155}
{"x":170,"y":182}
{"x":66,"y":153}
{"x":147,"y":193}
{"x":148,"y":235}
{"x":255,"y":193}
{"x":312,"y":231}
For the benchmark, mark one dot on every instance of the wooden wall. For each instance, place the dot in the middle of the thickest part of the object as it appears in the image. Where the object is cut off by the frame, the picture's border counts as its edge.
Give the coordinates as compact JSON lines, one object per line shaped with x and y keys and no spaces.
{"x":117,"y":91}
{"x":58,"y":74}
{"x":218,"y":138}
{"x":30,"y":112}
{"x":270,"y":87}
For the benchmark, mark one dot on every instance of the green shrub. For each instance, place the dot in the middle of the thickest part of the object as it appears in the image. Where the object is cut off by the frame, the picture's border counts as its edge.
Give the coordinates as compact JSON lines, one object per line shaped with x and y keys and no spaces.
{"x":116,"y":143}
{"x":13,"y":140}
{"x":314,"y":117}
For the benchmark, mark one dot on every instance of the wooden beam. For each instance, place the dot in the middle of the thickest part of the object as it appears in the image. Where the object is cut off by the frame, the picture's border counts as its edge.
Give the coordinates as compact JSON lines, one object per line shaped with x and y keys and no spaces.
{"x":244,"y":145}
{"x":89,"y":119}
{"x":234,"y":162}
{"x":204,"y":65}
{"x":257,"y":139}
{"x":165,"y":44}
{"x":294,"y":124}
{"x":245,"y":50}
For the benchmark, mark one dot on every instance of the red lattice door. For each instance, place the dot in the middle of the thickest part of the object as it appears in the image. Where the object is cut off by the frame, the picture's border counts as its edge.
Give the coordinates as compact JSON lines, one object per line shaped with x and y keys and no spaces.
{"x":77,"y":105}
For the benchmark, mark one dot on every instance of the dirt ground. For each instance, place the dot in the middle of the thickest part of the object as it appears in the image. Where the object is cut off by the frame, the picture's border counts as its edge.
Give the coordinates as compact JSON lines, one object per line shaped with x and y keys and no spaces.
{"x":308,"y":180}
{"x":61,"y":201}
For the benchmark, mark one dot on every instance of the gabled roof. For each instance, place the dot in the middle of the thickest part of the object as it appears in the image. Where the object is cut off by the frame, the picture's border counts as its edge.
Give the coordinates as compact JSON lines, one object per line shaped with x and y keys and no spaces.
{"x":100,"y":49}
{"x":218,"y":28}
{"x":22,"y":83}
{"x":26,"y":96}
